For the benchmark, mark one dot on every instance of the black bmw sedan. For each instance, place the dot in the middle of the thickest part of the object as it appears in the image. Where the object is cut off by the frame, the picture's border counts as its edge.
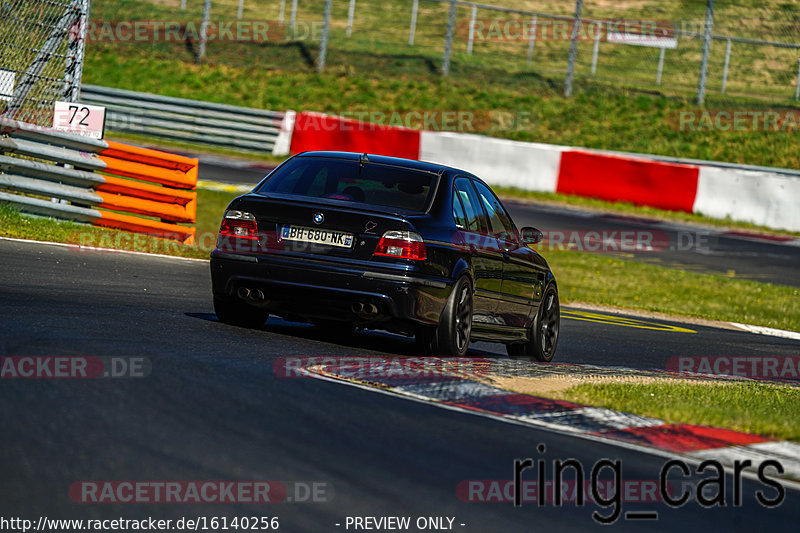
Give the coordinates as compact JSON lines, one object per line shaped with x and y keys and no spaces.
{"x":349,"y":240}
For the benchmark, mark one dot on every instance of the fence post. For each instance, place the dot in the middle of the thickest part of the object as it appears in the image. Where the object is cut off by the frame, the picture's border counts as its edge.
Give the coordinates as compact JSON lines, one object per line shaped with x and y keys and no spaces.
{"x":282,"y":11}
{"x":201,"y":46}
{"x":413,"y":30}
{"x":351,"y":11}
{"x":472,"y":18}
{"x":77,"y":49}
{"x":595,"y":52}
{"x":660,"y":65}
{"x":239,"y":10}
{"x":725,"y":67}
{"x":797,"y":89}
{"x":532,"y":38}
{"x":293,"y":17}
{"x":323,"y":43}
{"x":573,"y":48}
{"x":701,"y":86}
{"x":448,"y":45}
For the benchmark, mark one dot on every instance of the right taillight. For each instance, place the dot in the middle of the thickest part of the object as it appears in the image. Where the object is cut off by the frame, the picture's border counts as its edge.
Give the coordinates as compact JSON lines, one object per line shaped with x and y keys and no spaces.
{"x":238,"y":232}
{"x":402,"y":244}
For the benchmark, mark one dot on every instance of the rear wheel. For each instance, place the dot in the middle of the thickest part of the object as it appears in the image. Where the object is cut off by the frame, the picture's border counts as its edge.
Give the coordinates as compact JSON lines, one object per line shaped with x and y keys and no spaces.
{"x":543,"y":334}
{"x":451,"y":337}
{"x":239,"y":313}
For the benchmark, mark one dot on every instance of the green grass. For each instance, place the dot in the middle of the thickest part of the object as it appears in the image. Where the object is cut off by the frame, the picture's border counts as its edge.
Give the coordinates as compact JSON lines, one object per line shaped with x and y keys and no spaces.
{"x":603,"y":280}
{"x":596,"y":117}
{"x":760,"y":408}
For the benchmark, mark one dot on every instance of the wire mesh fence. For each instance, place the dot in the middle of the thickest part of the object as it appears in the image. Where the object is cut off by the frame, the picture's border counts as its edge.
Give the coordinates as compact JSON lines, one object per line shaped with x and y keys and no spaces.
{"x":41,"y":56}
{"x":646,"y":45}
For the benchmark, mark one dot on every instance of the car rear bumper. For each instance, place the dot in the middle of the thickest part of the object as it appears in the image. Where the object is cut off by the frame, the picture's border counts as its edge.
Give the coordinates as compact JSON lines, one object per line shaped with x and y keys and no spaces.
{"x":330,"y":288}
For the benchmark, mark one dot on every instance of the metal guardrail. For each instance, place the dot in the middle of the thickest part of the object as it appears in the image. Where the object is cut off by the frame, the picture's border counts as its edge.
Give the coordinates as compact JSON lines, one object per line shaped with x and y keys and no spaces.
{"x":226,"y":126}
{"x":56,"y":174}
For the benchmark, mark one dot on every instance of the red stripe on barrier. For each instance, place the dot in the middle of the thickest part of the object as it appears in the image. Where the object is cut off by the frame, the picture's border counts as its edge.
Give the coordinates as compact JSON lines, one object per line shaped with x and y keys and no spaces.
{"x":683,"y":437}
{"x":642,"y":182}
{"x":316,"y":131}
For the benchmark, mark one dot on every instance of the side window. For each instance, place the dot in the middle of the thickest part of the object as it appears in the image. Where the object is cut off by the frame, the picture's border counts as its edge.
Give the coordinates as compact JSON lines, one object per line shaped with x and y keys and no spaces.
{"x":458,"y":212}
{"x":472,"y":209}
{"x":500,"y":223}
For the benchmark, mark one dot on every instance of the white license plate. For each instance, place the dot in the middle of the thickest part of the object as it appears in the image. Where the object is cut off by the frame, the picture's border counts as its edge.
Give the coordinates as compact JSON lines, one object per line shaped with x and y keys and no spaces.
{"x":317,"y":236}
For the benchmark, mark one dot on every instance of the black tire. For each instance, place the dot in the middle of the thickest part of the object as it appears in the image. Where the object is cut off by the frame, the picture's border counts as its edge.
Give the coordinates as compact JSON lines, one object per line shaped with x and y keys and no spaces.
{"x":239,"y":313}
{"x":543,"y":335}
{"x":451,"y":337}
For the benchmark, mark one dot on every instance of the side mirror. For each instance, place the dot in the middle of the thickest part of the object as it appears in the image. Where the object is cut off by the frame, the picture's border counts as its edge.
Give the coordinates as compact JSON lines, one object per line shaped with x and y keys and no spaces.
{"x":530,"y":235}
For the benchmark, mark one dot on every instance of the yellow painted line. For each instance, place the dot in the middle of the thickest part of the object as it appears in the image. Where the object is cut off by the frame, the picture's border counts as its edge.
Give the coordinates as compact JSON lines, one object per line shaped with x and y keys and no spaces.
{"x":622,"y":321}
{"x":224,"y":187}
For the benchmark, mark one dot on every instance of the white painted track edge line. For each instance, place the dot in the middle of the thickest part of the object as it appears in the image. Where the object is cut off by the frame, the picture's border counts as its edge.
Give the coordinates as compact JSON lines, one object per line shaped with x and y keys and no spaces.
{"x":80,"y":247}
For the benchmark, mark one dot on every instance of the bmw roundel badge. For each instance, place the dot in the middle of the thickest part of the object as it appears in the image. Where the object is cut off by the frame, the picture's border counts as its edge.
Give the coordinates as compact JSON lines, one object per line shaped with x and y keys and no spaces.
{"x":318,"y":218}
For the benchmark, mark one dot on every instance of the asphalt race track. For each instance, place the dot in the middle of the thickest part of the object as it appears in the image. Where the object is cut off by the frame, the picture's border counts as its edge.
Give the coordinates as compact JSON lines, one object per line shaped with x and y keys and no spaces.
{"x":213,"y":409}
{"x":689,"y":247}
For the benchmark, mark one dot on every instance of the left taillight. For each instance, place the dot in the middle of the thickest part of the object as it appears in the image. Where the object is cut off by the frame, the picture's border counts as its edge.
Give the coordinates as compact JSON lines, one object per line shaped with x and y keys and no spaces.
{"x":238,"y":230}
{"x":402,"y":244}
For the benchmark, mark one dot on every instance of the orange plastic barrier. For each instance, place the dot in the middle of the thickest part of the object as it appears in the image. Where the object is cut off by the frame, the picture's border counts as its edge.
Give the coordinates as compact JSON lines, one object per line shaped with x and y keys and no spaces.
{"x":168,"y":195}
{"x":184,"y":234}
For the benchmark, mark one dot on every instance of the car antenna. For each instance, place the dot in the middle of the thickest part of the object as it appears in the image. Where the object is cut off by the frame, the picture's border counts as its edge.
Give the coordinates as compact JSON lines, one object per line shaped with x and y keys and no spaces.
{"x":363,"y":159}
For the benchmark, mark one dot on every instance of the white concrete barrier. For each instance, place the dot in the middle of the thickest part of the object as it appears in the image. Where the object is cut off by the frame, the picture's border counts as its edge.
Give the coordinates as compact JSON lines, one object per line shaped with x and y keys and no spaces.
{"x":763,"y":198}
{"x":528,"y":166}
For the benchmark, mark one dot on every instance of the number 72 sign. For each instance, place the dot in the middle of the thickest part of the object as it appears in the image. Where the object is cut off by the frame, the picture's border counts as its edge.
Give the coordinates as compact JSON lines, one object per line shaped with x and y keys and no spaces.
{"x":80,"y":119}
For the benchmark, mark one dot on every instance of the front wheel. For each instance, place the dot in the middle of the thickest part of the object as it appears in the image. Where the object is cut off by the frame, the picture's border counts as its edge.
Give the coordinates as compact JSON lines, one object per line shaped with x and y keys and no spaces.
{"x":239,"y":313}
{"x":543,"y":334}
{"x":451,"y":337}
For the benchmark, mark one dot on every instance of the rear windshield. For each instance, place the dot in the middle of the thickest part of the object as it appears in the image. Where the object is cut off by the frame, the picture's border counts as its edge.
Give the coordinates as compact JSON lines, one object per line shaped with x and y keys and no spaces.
{"x":338,"y":179}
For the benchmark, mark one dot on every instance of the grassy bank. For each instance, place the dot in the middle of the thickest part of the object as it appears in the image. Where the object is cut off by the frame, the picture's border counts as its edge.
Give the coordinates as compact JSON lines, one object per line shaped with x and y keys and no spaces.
{"x":594,"y":118}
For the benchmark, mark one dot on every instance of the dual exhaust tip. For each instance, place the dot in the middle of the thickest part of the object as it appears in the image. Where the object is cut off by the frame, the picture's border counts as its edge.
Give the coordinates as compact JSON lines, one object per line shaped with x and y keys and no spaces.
{"x":364,"y":309}
{"x":257,"y":296}
{"x":253,"y":296}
